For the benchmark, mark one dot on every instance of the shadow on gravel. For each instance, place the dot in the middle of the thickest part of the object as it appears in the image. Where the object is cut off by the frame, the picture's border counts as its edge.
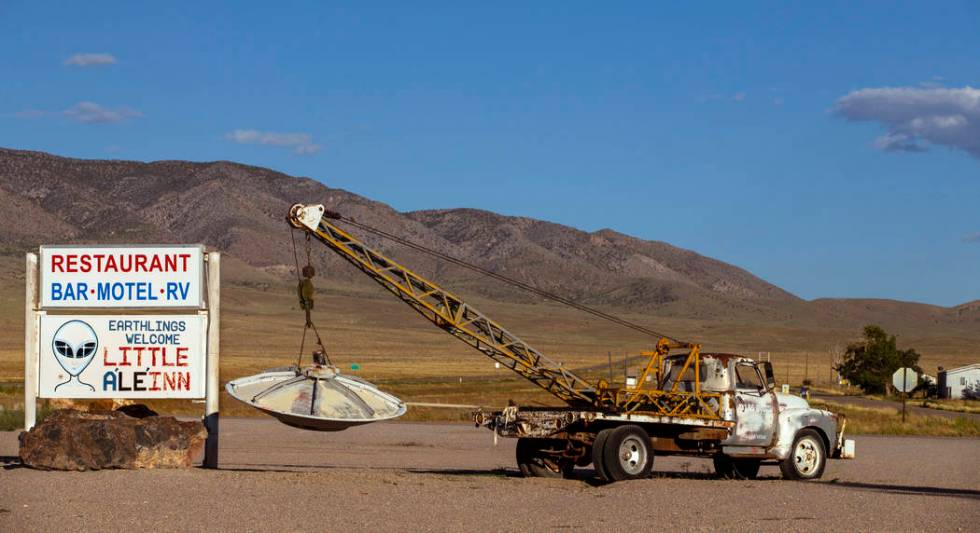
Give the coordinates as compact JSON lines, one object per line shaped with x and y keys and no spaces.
{"x":585,"y":475}
{"x":590,"y":477}
{"x":497,"y":472}
{"x":909,"y":490}
{"x":8,"y":462}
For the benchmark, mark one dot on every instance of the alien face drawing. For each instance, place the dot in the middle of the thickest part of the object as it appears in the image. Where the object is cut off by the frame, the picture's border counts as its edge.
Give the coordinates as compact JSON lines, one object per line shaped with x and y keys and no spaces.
{"x":74,"y":345}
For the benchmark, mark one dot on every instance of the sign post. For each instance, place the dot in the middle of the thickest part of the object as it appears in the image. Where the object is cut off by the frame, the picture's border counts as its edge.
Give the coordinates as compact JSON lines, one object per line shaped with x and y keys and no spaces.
{"x":30,"y":343}
{"x":214,"y":332}
{"x":905,"y":379}
{"x":171,"y":353}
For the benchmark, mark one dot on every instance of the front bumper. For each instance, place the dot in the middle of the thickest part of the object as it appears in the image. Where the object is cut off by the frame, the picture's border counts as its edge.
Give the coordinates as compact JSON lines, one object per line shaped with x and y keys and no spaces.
{"x":846,"y":448}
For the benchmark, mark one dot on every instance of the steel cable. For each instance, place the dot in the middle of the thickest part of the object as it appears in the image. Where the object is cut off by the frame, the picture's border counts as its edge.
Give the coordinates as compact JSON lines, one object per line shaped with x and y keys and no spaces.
{"x":510,"y":281}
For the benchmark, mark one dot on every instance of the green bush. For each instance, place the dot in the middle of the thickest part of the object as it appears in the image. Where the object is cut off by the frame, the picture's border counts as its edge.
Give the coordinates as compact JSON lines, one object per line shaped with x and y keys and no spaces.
{"x":869,"y":364}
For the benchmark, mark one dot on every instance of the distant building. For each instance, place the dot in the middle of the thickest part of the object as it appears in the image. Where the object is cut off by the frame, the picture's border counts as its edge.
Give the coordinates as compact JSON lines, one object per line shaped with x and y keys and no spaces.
{"x":953,"y":382}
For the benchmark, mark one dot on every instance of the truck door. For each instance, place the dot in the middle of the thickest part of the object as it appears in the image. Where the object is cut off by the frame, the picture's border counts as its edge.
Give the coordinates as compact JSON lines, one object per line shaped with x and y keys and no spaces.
{"x":754,"y":406}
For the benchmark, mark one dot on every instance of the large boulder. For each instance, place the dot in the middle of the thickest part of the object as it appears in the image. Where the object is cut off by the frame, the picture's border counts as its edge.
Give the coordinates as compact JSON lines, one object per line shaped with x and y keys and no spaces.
{"x":76,"y":440}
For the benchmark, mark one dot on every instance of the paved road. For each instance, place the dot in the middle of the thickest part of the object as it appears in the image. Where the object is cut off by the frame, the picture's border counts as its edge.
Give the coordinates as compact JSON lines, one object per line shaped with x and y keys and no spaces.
{"x":914,"y":406}
{"x":405,"y":477}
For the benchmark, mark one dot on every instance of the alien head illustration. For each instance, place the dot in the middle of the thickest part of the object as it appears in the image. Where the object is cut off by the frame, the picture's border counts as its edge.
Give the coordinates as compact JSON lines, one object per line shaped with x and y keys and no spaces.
{"x":74,"y":346}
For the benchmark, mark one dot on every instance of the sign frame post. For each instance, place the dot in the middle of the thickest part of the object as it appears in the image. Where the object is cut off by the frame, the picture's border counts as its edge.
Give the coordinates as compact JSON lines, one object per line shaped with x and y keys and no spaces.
{"x":31,"y":341}
{"x":213,"y":392}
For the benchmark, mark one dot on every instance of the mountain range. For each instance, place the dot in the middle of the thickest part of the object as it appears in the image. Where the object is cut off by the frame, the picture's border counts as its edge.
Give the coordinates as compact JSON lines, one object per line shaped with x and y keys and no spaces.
{"x":240,"y":209}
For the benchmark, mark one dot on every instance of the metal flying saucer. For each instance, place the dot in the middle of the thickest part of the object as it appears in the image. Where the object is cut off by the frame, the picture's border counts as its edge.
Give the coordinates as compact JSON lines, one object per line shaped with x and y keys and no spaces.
{"x":316,"y":397}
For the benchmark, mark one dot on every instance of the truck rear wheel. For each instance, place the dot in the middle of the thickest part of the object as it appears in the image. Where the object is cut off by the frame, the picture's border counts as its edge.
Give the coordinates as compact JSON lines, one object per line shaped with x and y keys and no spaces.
{"x":624,"y":453}
{"x":597,"y":461}
{"x":807,"y":458}
{"x":542,"y":458}
{"x":731,"y":468}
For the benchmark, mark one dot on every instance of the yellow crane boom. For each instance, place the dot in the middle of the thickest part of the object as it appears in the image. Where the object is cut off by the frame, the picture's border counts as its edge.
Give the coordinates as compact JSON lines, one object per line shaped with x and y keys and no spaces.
{"x":652,"y":394}
{"x":444,"y":309}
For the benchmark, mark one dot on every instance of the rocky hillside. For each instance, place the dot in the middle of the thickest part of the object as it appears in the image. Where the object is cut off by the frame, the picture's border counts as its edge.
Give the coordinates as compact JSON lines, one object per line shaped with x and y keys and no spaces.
{"x":605,"y":267}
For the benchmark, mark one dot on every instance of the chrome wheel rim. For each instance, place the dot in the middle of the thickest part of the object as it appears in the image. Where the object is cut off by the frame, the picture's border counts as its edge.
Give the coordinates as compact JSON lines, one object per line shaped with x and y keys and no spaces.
{"x":632,"y":455}
{"x":807,"y":456}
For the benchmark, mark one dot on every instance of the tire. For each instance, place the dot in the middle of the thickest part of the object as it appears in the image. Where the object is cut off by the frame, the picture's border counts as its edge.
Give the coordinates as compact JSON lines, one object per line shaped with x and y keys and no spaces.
{"x":807,"y":457}
{"x":627,"y":454}
{"x":534,"y":461}
{"x":597,"y":461}
{"x":730,"y":468}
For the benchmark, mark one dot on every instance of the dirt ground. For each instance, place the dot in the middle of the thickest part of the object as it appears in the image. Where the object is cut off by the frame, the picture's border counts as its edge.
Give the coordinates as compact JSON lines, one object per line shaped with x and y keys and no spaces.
{"x":438,"y":477}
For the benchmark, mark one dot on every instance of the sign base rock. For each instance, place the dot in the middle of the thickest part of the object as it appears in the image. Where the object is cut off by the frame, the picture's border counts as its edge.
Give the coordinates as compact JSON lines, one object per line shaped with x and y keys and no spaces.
{"x":76,"y":440}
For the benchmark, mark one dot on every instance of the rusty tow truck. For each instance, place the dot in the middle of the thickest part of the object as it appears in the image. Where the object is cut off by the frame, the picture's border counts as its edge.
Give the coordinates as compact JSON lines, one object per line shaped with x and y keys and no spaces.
{"x":721,"y":406}
{"x":684,"y":402}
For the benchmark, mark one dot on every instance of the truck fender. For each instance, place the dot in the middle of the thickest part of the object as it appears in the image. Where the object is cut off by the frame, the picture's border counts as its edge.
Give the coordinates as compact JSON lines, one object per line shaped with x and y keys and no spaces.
{"x":791,"y":421}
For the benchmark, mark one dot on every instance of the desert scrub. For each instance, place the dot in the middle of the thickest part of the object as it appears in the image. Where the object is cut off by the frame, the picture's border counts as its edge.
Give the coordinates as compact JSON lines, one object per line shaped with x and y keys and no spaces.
{"x":13,"y":419}
{"x":888,"y":421}
{"x":957,"y":406}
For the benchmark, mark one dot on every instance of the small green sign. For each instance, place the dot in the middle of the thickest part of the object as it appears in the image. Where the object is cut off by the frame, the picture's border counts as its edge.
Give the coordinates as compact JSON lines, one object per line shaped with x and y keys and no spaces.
{"x":355,"y":367}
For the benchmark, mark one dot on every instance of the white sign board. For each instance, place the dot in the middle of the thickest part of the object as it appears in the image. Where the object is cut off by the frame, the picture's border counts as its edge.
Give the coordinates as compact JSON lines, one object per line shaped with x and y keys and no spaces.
{"x":905,"y":379}
{"x":122,"y":356}
{"x":122,"y":276}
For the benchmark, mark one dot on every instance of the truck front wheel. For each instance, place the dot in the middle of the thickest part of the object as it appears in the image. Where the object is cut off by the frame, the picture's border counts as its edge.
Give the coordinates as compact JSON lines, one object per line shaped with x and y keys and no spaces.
{"x":731,"y":468}
{"x":542,"y":458}
{"x":623,"y":453}
{"x":807,"y":458}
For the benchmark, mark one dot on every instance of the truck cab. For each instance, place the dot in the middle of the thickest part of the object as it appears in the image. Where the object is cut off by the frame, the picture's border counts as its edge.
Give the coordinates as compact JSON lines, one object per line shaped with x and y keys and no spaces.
{"x":769,"y":426}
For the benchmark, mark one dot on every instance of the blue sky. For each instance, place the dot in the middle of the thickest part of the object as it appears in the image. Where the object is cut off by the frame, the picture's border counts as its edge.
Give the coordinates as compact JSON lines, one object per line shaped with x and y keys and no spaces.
{"x":832,"y":149}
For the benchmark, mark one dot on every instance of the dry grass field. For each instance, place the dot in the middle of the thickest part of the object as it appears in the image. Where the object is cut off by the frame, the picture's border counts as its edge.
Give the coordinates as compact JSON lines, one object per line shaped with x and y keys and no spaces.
{"x":403,"y":353}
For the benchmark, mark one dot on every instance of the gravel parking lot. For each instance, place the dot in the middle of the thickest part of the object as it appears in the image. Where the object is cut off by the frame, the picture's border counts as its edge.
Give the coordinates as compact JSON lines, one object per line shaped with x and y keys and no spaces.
{"x":405,"y":476}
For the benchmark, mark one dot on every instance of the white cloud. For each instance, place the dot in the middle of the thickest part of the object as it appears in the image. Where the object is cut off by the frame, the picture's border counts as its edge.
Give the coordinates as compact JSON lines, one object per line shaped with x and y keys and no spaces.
{"x":90,"y":60}
{"x":898,"y":142}
{"x":92,"y":113}
{"x":917,"y":117}
{"x":301,"y":143}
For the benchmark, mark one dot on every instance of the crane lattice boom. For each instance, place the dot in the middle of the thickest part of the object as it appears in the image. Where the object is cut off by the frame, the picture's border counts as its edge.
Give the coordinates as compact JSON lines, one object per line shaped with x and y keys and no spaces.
{"x":445,"y":309}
